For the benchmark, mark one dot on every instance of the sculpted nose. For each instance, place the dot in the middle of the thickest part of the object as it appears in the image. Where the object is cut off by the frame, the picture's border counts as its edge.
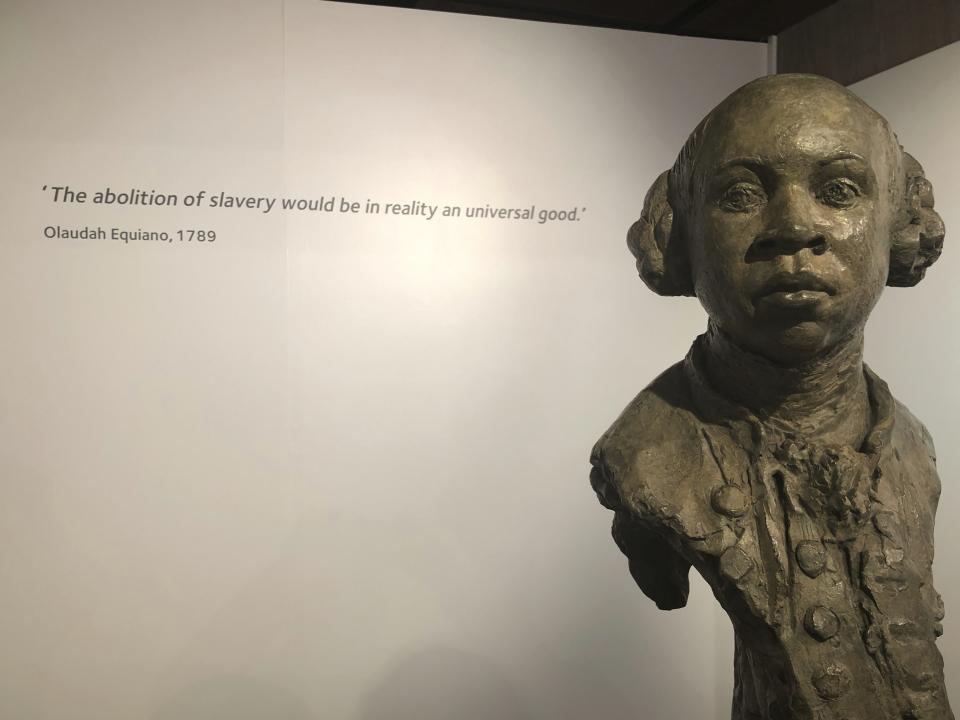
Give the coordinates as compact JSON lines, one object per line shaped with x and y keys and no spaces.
{"x":791,"y":226}
{"x":787,"y":240}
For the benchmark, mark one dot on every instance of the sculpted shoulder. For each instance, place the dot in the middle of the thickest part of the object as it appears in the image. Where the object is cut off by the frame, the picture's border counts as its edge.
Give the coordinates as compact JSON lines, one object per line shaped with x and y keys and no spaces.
{"x":650,"y":460}
{"x":916,"y":453}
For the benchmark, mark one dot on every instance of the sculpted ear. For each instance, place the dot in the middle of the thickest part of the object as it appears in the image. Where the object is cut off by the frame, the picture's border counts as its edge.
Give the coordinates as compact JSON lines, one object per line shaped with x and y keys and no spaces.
{"x":656,"y":242}
{"x":918,"y":239}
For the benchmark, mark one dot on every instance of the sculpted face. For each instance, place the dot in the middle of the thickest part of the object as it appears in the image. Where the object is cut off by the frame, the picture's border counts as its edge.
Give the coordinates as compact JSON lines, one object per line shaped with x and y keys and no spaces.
{"x":793,"y":202}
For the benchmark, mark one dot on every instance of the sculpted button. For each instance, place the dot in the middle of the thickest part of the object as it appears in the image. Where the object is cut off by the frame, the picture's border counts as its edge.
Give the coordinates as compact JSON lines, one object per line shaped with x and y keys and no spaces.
{"x":832,"y":682}
{"x":938,"y":610}
{"x":730,"y":500}
{"x":811,"y":557}
{"x":822,"y":623}
{"x":735,"y":564}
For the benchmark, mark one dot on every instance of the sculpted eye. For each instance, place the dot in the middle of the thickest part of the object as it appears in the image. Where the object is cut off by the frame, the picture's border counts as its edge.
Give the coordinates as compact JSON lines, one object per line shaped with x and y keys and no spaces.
{"x":742,"y":197}
{"x":839,"y":193}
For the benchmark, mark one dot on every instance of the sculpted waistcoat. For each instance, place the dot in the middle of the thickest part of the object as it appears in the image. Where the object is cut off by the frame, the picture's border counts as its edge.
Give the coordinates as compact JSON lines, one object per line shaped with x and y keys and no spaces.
{"x":819,"y":554}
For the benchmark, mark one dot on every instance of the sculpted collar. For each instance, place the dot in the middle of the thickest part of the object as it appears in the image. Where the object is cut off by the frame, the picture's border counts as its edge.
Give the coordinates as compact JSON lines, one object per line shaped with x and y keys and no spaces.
{"x":750,"y":430}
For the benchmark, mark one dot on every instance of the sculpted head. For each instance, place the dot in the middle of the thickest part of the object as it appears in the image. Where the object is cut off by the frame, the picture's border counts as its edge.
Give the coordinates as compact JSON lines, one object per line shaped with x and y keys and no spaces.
{"x":786,"y":213}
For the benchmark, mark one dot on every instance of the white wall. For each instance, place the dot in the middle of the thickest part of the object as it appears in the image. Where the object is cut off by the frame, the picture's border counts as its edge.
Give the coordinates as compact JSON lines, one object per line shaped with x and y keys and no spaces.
{"x":913,"y":339}
{"x":333,"y":466}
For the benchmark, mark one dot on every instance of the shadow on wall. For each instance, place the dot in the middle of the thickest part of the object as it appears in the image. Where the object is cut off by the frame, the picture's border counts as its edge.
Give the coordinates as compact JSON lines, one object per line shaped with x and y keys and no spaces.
{"x":441,"y":683}
{"x":234,"y":697}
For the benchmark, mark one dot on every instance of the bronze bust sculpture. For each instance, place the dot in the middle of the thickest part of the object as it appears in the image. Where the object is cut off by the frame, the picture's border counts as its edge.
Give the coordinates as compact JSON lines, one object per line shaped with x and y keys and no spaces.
{"x":771,"y":458}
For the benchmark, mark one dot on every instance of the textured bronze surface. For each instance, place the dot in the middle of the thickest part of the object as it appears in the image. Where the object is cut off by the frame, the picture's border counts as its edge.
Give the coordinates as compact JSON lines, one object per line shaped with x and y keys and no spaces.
{"x":771,"y":459}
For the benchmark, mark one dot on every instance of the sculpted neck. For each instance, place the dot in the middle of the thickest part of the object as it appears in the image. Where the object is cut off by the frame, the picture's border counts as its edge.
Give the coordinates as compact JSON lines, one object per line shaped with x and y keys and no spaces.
{"x":824,"y":399}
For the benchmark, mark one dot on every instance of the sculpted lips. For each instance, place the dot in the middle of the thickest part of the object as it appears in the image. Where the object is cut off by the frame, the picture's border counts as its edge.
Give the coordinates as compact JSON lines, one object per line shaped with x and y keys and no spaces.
{"x":790,"y":291}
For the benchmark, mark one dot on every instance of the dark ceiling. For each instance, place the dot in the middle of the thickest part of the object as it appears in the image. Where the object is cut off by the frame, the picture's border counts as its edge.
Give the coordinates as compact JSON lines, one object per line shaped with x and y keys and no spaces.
{"x":727,"y":19}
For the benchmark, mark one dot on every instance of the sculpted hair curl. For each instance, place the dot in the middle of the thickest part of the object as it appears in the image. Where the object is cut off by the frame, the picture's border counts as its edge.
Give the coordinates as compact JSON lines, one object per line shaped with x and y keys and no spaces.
{"x":658,"y":239}
{"x":918,"y":240}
